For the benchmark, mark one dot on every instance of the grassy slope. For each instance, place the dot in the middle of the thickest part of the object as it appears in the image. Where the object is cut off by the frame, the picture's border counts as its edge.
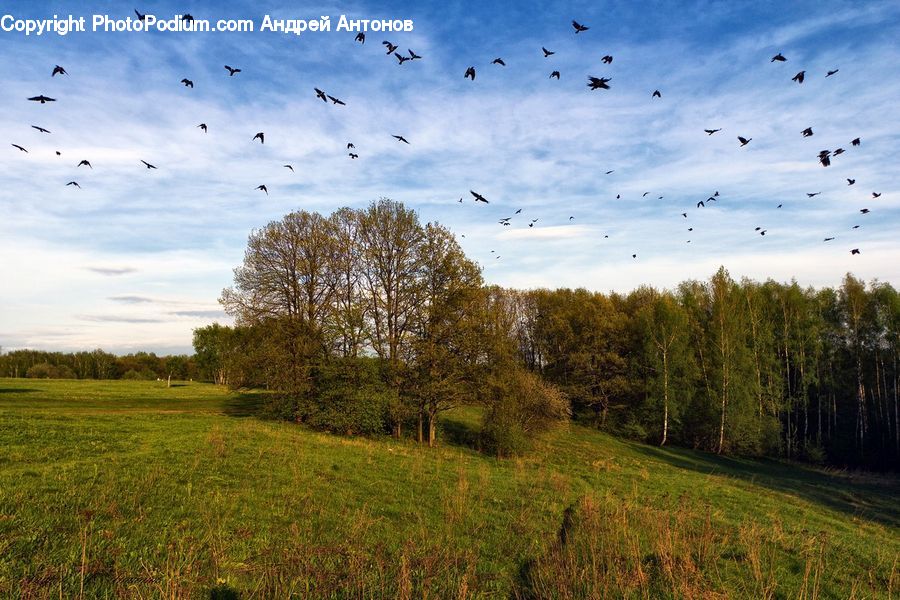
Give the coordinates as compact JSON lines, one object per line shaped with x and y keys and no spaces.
{"x":129,"y":489}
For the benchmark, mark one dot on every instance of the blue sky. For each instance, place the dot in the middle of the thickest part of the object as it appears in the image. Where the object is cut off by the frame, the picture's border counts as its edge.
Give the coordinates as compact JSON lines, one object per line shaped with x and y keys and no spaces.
{"x":136,"y":259}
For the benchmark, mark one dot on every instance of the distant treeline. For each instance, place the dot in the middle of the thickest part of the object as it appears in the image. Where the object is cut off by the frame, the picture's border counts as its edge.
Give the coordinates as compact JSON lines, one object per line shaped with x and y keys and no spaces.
{"x":336,"y":312}
{"x":96,"y":364}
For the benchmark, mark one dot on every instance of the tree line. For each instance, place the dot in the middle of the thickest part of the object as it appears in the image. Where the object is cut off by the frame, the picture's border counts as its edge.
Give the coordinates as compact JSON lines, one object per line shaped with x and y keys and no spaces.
{"x":96,"y":364}
{"x":378,"y":305}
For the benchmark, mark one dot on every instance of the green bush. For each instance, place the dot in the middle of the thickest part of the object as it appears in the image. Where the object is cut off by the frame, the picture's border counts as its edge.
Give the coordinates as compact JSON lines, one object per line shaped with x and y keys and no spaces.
{"x":45,"y":370}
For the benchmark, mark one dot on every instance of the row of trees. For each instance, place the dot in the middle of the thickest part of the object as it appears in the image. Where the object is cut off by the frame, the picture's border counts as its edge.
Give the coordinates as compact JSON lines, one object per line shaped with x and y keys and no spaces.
{"x":726,"y":366}
{"x":95,"y":364}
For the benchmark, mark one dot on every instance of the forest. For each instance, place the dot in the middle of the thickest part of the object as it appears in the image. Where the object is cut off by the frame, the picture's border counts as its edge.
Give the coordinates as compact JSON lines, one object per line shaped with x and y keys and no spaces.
{"x":367,"y":321}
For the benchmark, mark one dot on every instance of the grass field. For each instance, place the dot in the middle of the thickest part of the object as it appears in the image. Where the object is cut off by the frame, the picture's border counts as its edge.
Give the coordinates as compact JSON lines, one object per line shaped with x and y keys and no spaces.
{"x":135,"y":490}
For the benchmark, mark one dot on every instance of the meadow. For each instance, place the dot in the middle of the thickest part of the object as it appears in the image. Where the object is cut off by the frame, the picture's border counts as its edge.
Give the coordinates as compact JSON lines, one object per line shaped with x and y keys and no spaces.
{"x":114,"y":489}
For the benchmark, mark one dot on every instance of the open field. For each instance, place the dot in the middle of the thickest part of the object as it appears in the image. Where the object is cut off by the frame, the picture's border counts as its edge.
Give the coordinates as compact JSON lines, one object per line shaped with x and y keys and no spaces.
{"x":130,"y":489}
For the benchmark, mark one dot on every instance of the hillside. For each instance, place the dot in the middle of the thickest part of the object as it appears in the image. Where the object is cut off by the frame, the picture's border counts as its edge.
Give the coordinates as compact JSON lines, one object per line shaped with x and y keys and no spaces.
{"x":135,"y":490}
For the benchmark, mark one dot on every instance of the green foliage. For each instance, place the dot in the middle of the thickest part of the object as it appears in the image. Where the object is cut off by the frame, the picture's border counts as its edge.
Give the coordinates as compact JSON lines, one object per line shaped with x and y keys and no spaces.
{"x":47,"y":371}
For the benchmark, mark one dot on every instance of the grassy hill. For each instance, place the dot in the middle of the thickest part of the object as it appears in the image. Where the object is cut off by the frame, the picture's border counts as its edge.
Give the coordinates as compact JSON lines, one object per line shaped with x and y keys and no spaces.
{"x":135,"y":490}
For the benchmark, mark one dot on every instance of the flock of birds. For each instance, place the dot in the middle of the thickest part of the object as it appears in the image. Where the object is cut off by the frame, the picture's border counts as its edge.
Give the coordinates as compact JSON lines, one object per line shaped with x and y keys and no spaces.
{"x":825,"y":157}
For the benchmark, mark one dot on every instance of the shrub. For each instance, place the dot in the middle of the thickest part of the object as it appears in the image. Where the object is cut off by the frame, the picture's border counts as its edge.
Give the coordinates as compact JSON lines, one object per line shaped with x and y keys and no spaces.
{"x":45,"y":370}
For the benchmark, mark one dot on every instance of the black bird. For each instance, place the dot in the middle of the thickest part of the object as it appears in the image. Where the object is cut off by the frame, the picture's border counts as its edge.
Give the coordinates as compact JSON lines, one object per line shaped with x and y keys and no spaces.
{"x":744,"y":141}
{"x":479,"y":197}
{"x":554,"y":74}
{"x":547,"y":52}
{"x":354,"y":156}
{"x":187,"y":17}
{"x":139,"y":15}
{"x":700,"y":204}
{"x":684,"y":215}
{"x":259,"y":136}
{"x":361,"y":37}
{"x":531,"y":224}
{"x":656,"y":94}
{"x":402,"y":58}
{"x":807,"y":132}
{"x":149,"y":166}
{"x":757,"y":229}
{"x":598,"y":83}
{"x":690,"y":228}
{"x":579,"y":27}
{"x":814,"y":194}
{"x":44,"y":99}
{"x":470,"y":73}
{"x":350,"y":145}
{"x":570,"y":218}
{"x":799,"y":77}
{"x":41,"y":129}
{"x":876,"y":194}
{"x":712,"y":131}
{"x":779,"y":57}
{"x":824,"y":157}
{"x":607,"y":59}
{"x":187,"y":83}
{"x":289,"y":167}
{"x":645,"y":194}
{"x":498,"y":61}
{"x":20,"y":148}
{"x":518,"y":211}
{"x":58,"y":70}
{"x":830,"y":73}
{"x":336,"y":101}
{"x":232,"y":71}
{"x":75,"y":183}
{"x":779,"y":206}
{"x":828,"y":239}
{"x":854,"y":251}
{"x":400,"y":138}
{"x":390,"y":47}
{"x":837,"y":152}
{"x":634,"y":256}
{"x":413,"y":55}
{"x":763,"y":232}
{"x":264,"y":189}
{"x":854,"y":142}
{"x":58,"y":153}
{"x":864,"y":211}
{"x":86,"y":163}
{"x":203,"y":127}
{"x":610,"y":172}
{"x":321,"y":94}
{"x":850,"y":181}
{"x":855,"y":227}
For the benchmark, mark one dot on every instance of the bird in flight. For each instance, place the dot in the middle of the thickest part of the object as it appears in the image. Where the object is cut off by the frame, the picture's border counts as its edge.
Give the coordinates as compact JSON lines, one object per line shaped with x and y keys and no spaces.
{"x":807,"y":132}
{"x":20,"y":148}
{"x":864,"y":211}
{"x":610,"y":172}
{"x":41,"y":129}
{"x":498,"y":61}
{"x":684,"y":215}
{"x":824,"y":157}
{"x":260,"y":136}
{"x":350,"y":145}
{"x":547,"y":52}
{"x":322,"y":95}
{"x":187,"y":83}
{"x":828,"y":239}
{"x":75,"y":183}
{"x":413,"y":55}
{"x":289,"y":167}
{"x":187,"y":17}
{"x":470,"y":73}
{"x":148,"y":165}
{"x":140,"y":16}
{"x":799,"y":77}
{"x":391,"y":48}
{"x":554,"y":74}
{"x":712,"y":131}
{"x":353,"y":155}
{"x":264,"y":189}
{"x":876,"y":194}
{"x":812,"y":195}
{"x":336,"y":101}
{"x":598,"y":83}
{"x":44,"y":99}
{"x":656,"y":94}
{"x":830,"y":73}
{"x":479,"y":197}
{"x":607,"y":59}
{"x":58,"y":70}
{"x":360,"y":37}
{"x":579,"y":27}
{"x":778,"y":57}
{"x":744,"y":141}
{"x":203,"y":127}
{"x":700,"y":204}
{"x":232,"y":71}
{"x":85,"y":163}
{"x":402,"y":58}
{"x":400,"y":138}
{"x":854,"y":142}
{"x":837,"y":152}
{"x":850,"y":181}
{"x":854,"y":251}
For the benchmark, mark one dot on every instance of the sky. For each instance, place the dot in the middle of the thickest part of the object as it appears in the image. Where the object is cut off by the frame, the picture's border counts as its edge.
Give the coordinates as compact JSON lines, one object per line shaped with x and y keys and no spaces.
{"x":135,"y":259}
